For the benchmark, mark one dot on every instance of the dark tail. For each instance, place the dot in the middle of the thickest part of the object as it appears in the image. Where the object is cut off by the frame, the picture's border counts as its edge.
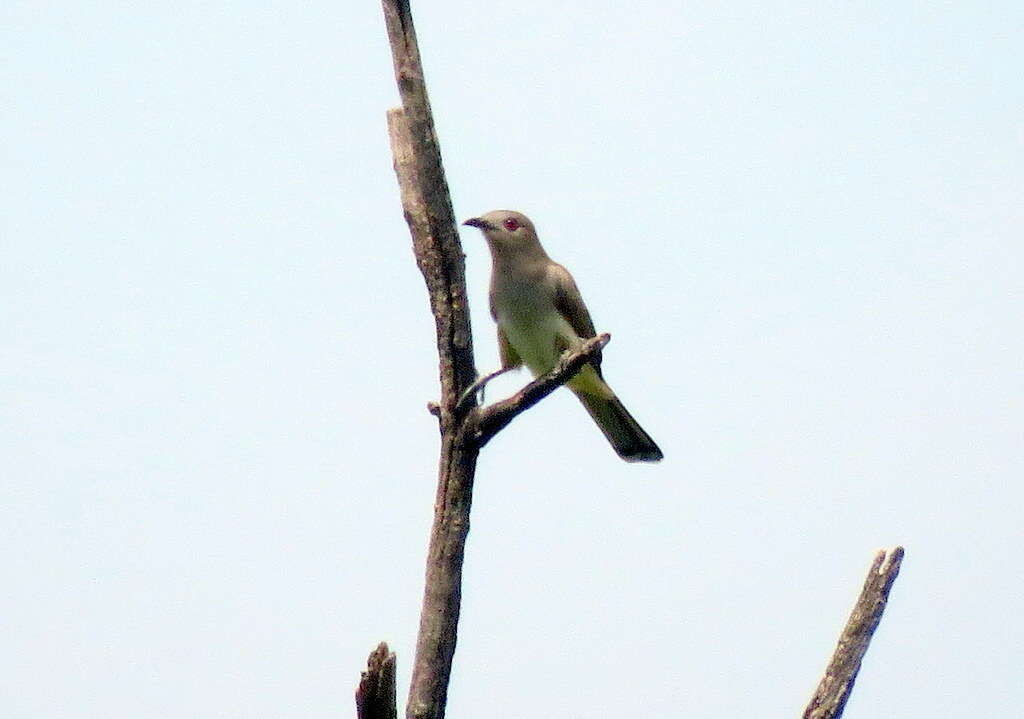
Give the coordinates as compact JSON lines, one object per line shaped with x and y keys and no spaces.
{"x":626,"y":435}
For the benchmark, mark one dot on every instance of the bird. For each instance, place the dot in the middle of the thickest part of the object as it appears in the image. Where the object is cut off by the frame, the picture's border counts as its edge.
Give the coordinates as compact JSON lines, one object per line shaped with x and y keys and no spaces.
{"x":540,"y":314}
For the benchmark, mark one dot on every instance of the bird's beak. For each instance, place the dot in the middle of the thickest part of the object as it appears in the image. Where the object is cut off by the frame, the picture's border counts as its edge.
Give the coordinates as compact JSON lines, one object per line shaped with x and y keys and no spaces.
{"x":480,"y":223}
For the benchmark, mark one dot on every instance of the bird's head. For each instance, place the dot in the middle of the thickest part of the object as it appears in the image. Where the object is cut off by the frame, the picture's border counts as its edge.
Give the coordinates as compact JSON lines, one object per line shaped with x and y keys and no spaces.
{"x":506,"y":231}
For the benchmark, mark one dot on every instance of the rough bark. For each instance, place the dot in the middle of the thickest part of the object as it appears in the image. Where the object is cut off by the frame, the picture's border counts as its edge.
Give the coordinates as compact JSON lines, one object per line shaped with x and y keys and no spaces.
{"x":375,"y":697}
{"x":428,"y":212}
{"x":829,"y":699}
{"x":439,"y":256}
{"x":428,"y":209}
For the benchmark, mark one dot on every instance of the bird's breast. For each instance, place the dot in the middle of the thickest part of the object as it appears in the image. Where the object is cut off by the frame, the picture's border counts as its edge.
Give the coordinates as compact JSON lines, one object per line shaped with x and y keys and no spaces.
{"x":526,"y":313}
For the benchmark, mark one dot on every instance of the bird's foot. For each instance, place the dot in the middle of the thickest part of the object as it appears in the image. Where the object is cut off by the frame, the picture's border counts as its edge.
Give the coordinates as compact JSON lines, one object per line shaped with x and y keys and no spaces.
{"x":478,"y":387}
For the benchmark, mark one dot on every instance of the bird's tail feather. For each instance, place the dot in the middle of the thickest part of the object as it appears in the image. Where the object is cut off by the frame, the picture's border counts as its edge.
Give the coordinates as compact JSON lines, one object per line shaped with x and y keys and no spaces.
{"x":626,"y":435}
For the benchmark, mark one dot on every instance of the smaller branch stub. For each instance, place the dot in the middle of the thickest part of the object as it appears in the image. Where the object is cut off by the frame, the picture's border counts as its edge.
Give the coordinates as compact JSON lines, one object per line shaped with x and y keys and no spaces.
{"x":829,"y":699}
{"x":375,"y":696}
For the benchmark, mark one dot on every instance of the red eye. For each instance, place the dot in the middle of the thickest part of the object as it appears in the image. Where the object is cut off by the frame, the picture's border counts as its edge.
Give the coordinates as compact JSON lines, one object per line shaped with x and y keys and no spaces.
{"x":511,"y":224}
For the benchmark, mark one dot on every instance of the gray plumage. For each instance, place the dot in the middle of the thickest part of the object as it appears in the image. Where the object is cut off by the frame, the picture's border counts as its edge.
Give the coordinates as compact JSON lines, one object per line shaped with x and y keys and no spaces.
{"x":540,"y":313}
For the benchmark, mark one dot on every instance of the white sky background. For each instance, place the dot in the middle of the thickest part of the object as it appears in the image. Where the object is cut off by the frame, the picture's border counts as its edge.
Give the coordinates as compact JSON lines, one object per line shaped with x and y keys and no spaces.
{"x":801,"y":223}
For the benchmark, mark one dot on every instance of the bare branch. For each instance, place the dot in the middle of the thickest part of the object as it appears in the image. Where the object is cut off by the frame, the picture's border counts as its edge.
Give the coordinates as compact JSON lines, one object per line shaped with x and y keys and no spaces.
{"x":491,"y":420}
{"x":428,"y":207}
{"x":829,"y":699}
{"x":375,"y":697}
{"x":428,"y":212}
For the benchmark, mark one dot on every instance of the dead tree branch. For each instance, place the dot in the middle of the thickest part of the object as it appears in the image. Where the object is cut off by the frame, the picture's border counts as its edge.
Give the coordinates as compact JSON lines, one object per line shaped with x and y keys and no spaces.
{"x":375,"y":697}
{"x":429,"y":215}
{"x":829,"y":699}
{"x":428,"y":207}
{"x":428,"y":212}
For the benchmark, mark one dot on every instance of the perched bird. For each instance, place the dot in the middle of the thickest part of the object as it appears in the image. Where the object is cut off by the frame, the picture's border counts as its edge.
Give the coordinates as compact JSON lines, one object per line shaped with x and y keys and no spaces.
{"x":540,"y":314}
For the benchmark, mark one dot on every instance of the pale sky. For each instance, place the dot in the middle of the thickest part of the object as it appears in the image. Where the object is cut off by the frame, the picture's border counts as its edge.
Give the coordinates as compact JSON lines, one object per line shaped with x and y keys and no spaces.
{"x":801,"y":222}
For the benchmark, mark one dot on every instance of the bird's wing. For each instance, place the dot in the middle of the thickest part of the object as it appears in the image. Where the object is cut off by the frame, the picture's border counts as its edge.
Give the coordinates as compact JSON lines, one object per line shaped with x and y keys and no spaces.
{"x":509,"y":357}
{"x":569,"y":304}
